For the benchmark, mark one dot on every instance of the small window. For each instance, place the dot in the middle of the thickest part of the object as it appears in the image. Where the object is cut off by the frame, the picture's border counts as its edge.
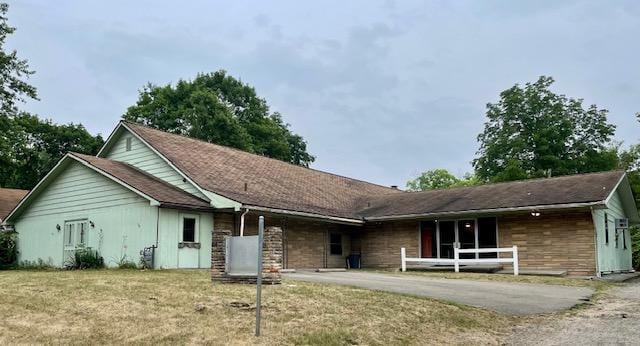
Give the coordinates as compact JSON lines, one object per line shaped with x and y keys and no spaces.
{"x":335,"y":244}
{"x":189,"y":230}
{"x":128,"y":144}
{"x":606,"y":228}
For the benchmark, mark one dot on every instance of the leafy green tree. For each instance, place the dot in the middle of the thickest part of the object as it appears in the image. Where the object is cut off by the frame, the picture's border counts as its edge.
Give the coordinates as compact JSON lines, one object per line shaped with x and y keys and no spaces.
{"x":36,"y":147}
{"x":439,"y":178}
{"x":534,"y":132}
{"x":218,"y":108}
{"x":13,"y":71}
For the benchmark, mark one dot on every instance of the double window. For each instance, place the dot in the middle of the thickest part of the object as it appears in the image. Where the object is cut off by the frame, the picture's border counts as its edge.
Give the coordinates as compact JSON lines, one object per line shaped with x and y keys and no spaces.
{"x":75,"y":233}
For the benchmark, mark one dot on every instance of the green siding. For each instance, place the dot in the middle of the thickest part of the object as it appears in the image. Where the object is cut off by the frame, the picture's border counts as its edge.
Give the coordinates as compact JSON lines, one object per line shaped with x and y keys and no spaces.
{"x":124,"y":222}
{"x":145,"y":159}
{"x":610,"y":257}
{"x":169,"y":255}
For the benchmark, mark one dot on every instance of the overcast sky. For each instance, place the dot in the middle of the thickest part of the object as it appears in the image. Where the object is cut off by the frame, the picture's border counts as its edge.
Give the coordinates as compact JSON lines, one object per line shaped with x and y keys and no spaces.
{"x":380,"y":90}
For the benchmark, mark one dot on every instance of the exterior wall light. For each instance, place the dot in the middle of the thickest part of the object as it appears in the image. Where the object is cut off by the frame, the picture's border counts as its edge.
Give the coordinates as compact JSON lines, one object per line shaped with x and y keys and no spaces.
{"x":58,"y":227}
{"x":92,"y":224}
{"x":535,"y":213}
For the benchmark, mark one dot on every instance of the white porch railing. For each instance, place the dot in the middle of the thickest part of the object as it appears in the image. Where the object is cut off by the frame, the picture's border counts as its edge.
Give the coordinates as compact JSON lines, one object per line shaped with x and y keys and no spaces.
{"x":456,"y":261}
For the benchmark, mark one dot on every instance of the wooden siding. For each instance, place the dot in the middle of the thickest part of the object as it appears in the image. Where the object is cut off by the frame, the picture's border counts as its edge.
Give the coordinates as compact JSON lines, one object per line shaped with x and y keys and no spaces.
{"x":124,"y":222}
{"x":145,"y":159}
{"x":169,"y":237}
{"x":610,"y":257}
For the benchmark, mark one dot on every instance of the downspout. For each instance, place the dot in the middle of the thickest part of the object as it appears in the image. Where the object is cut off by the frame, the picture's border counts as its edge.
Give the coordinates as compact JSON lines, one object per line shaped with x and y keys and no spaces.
{"x":242,"y":221}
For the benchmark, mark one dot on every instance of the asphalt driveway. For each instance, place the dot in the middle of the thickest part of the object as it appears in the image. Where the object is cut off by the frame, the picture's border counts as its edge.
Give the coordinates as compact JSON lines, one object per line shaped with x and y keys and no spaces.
{"x":505,"y":297}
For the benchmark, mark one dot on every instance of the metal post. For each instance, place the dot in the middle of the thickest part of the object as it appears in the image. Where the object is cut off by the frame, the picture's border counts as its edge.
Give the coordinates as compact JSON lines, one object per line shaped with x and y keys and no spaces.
{"x":259,"y":277}
{"x":403,"y":259}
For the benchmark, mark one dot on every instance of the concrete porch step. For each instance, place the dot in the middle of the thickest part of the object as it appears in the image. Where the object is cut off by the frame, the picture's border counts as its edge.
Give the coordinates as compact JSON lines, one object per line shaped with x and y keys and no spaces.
{"x":539,"y":272}
{"x":330,"y":270}
{"x":467,"y":268}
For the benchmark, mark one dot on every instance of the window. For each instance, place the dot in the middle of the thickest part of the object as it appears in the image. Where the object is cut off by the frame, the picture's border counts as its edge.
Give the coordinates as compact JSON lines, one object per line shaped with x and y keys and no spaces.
{"x":128,"y":144}
{"x":189,"y":230}
{"x":624,"y":240}
{"x":69,"y":234}
{"x":606,"y":228}
{"x":83,"y":233}
{"x":335,"y":244}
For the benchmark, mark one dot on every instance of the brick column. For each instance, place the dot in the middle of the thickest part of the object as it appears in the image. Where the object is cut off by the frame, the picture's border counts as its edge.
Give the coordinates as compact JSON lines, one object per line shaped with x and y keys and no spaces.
{"x":218,"y":254}
{"x":272,"y":255}
{"x":271,"y":258}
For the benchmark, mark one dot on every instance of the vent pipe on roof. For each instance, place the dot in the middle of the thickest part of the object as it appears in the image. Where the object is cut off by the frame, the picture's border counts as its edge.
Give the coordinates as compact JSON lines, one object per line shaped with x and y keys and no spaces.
{"x":242,"y":222}
{"x":394,"y":187}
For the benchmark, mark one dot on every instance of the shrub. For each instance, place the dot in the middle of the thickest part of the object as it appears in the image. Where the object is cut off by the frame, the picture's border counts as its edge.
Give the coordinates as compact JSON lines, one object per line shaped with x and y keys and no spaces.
{"x":125,"y":263}
{"x":40,"y":264}
{"x":85,"y":259}
{"x":8,"y":248}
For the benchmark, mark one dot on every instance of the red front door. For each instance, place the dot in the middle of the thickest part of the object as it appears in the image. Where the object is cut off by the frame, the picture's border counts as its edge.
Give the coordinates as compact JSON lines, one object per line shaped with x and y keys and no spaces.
{"x":427,"y":239}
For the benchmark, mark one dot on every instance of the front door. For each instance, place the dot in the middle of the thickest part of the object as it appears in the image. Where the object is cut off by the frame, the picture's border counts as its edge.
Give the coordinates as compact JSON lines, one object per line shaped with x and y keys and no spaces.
{"x":428,"y":237}
{"x":189,"y":242}
{"x":447,"y":238}
{"x":467,"y":236}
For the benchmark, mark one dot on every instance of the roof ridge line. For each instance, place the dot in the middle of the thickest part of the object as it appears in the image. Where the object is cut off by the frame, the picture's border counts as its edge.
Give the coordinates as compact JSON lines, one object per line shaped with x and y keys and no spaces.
{"x":258,"y":155}
{"x":520,"y":181}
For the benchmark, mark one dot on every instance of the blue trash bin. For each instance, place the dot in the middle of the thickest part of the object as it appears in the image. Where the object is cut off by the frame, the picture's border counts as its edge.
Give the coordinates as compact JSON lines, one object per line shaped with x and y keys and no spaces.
{"x":353,"y":261}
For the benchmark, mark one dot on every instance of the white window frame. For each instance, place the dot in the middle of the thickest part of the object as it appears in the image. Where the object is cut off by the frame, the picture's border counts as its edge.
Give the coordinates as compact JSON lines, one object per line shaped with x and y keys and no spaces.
{"x":128,"y":143}
{"x":75,"y":237}
{"x":196,"y":235}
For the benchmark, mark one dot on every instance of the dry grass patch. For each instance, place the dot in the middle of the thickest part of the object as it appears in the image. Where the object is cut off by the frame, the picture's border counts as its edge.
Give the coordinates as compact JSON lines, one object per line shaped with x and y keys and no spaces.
{"x":127,"y":306}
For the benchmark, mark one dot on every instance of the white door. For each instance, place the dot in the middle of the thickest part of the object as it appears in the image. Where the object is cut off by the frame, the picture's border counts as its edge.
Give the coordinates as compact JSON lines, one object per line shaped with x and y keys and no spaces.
{"x":75,"y":237}
{"x":189,"y":243}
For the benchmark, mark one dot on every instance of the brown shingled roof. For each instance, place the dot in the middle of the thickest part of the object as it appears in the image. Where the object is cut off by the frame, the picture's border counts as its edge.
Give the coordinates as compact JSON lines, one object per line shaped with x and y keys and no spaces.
{"x":151,"y":186}
{"x":269,"y":183}
{"x":9,"y":198}
{"x":565,"y":190}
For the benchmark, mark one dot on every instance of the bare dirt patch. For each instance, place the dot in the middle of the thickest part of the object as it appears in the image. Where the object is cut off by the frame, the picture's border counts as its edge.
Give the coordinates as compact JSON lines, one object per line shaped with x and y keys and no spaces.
{"x":613,"y":319}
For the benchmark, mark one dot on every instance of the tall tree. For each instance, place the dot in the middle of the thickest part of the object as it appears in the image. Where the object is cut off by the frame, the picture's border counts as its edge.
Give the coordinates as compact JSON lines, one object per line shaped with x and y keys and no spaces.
{"x":439,"y":178}
{"x":36,"y":147}
{"x":534,"y":132}
{"x":29,"y":146}
{"x":218,"y":108}
{"x":13,"y":71}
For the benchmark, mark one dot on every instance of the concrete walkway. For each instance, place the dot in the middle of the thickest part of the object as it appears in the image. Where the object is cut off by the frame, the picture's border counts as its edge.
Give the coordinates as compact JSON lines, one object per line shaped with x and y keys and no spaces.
{"x":505,"y":297}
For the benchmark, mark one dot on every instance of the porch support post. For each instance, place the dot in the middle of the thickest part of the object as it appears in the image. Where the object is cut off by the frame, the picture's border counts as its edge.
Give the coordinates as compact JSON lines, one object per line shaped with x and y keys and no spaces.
{"x":456,"y":257}
{"x":403,"y":259}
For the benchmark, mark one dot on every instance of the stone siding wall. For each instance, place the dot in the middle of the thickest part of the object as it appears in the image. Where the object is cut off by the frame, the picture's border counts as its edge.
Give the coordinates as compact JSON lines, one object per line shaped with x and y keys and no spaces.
{"x":380,"y":243}
{"x":552,"y":241}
